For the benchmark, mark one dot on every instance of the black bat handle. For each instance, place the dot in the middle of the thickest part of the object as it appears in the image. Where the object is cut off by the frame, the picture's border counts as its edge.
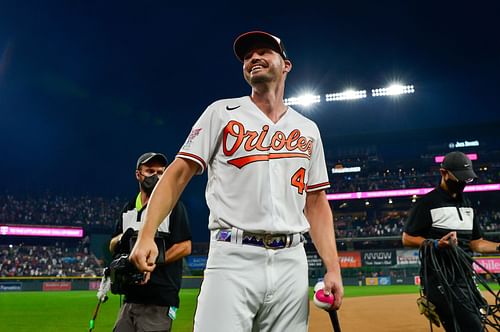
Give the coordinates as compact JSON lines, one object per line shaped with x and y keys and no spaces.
{"x":335,"y":320}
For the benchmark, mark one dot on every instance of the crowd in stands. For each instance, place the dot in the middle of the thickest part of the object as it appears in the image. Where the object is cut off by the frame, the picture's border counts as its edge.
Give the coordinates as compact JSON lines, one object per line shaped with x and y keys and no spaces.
{"x":92,"y":213}
{"x":490,"y":220}
{"x":398,"y":179}
{"x":382,"y":180}
{"x":61,"y":260}
{"x":352,"y":226}
{"x":392,"y":224}
{"x":379,"y":174}
{"x":56,"y":260}
{"x":99,"y":214}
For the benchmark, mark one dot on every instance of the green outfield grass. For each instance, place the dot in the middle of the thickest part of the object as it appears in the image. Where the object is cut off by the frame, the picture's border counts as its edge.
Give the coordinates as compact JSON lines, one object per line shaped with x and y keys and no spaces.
{"x":71,"y":311}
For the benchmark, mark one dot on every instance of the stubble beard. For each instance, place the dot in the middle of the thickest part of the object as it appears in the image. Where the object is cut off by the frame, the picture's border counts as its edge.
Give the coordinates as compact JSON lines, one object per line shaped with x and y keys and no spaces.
{"x":259,"y":79}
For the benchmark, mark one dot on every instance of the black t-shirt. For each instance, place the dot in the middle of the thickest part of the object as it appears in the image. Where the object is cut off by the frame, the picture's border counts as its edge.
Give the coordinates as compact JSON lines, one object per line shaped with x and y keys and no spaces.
{"x":438,"y":213}
{"x":435,"y":215}
{"x":165,"y":283}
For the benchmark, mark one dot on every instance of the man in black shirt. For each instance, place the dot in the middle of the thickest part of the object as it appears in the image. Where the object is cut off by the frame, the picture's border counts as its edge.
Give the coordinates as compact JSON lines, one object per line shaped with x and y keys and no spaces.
{"x":151,"y":305}
{"x":445,"y":216}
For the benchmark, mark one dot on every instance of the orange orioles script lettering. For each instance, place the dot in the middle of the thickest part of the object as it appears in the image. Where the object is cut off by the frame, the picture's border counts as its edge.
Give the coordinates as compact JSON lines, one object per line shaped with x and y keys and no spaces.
{"x":297,"y":146}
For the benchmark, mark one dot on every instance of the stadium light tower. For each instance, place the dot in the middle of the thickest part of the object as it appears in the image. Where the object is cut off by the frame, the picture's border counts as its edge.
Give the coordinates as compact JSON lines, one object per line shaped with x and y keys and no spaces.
{"x":346,"y":95}
{"x":393,"y":90}
{"x":304,"y":100}
{"x":309,"y":98}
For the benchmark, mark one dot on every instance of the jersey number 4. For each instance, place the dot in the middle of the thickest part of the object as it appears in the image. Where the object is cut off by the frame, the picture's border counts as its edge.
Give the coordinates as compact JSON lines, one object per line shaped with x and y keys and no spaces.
{"x":297,"y":180}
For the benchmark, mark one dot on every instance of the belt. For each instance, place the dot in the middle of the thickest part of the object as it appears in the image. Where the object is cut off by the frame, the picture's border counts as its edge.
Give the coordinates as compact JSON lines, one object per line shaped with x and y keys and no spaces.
{"x":265,"y":240}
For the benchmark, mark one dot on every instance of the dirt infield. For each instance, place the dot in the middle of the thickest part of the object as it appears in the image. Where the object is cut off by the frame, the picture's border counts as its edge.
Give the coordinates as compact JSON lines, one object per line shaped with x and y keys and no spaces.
{"x":388,"y":313}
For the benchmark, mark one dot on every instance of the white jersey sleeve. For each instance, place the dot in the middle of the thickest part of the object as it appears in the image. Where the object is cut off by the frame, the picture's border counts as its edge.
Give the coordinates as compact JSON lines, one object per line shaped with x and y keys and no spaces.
{"x":318,"y":176}
{"x":203,"y":138}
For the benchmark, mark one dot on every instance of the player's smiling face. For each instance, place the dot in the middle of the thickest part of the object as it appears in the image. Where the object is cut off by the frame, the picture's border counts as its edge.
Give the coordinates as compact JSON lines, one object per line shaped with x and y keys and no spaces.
{"x":263,"y":65}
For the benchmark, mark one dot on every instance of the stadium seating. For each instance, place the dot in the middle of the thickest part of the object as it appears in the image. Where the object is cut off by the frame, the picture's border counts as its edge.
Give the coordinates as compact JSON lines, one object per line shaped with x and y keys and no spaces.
{"x":58,"y":261}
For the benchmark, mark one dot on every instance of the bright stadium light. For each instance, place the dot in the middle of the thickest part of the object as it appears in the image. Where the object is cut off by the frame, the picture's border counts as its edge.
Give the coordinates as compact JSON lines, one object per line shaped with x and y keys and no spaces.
{"x":346,"y":95}
{"x":393,"y":90}
{"x":304,"y":100}
{"x":340,"y":170}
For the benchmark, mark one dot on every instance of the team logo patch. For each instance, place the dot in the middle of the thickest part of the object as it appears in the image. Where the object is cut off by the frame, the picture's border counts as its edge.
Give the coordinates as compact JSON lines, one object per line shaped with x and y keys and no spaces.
{"x":280,"y":146}
{"x":192,"y":135}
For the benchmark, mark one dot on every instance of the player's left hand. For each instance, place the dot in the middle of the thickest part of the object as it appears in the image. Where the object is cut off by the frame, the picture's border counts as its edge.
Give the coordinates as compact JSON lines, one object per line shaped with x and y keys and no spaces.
{"x":448,"y":240}
{"x":333,"y":285}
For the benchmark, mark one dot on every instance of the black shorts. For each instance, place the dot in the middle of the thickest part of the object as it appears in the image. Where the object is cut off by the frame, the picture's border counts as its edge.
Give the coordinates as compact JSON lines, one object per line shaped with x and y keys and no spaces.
{"x":134,"y":317}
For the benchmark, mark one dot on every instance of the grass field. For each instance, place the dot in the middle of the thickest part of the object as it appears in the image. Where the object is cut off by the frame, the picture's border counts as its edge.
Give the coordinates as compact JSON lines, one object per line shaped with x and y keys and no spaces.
{"x":71,"y":311}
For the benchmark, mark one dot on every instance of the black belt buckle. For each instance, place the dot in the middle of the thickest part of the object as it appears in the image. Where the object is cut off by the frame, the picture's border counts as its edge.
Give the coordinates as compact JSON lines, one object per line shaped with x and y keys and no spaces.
{"x":267,"y":240}
{"x":271,"y":241}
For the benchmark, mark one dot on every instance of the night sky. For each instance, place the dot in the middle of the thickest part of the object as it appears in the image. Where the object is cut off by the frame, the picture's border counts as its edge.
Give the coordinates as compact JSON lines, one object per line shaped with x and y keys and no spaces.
{"x":86,"y":87}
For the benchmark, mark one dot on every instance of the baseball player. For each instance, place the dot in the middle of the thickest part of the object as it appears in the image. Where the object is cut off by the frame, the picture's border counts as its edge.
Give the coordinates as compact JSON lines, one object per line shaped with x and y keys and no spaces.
{"x":266,"y":182}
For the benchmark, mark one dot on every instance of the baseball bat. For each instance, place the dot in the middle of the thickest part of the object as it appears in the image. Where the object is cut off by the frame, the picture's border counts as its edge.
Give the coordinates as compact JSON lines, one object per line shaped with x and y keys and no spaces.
{"x":94,"y":316}
{"x":334,"y":318}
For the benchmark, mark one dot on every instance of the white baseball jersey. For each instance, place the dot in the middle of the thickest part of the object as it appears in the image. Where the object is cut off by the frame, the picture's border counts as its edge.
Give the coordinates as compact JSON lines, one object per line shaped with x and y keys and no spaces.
{"x":258,"y":171}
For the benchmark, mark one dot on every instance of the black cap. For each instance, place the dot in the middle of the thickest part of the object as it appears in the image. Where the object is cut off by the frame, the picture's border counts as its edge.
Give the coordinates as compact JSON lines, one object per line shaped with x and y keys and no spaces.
{"x":149,"y":156}
{"x":459,"y":165}
{"x":245,"y":42}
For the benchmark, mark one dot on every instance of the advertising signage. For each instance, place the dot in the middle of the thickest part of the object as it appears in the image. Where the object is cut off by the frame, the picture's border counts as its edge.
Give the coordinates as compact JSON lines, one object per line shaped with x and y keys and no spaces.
{"x":408,"y":257}
{"x":17,"y":230}
{"x":10,"y":286}
{"x":196,"y":262}
{"x":379,"y":258}
{"x":314,"y":261}
{"x":349,"y":259}
{"x":492,"y":264}
{"x":56,"y":286}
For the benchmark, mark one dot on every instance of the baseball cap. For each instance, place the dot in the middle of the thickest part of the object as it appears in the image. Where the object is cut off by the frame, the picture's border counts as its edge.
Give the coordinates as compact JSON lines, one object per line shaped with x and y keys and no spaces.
{"x":244,"y":43}
{"x":148,"y":156}
{"x":460,"y":165}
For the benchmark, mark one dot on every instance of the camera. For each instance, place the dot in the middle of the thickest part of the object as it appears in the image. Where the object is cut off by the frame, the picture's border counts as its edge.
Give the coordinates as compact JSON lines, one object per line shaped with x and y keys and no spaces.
{"x":123,"y":274}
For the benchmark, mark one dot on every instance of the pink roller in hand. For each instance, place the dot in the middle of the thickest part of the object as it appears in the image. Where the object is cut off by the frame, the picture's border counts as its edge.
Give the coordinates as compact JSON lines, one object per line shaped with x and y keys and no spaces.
{"x":320,"y":299}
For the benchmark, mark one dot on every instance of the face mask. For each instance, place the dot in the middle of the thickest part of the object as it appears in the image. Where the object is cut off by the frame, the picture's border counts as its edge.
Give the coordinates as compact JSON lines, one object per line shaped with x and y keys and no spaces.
{"x":149,"y":183}
{"x":455,"y":187}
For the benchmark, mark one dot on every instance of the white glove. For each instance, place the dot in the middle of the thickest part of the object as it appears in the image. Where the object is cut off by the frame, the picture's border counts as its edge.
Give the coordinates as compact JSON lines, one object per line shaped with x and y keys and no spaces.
{"x":102,"y":293}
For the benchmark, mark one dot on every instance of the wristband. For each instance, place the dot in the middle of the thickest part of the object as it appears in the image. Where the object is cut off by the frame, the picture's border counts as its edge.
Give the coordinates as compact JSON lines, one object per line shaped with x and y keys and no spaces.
{"x":436,"y":244}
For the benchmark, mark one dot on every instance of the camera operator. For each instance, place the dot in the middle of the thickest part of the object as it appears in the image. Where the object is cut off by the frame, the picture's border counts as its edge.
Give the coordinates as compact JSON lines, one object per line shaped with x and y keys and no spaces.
{"x":150,"y":304}
{"x":441,"y":220}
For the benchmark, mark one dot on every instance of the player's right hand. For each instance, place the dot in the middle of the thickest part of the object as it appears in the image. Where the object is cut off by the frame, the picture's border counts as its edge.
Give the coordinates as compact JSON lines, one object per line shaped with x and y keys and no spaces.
{"x":448,"y":240}
{"x":144,"y":254}
{"x":333,"y":285}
